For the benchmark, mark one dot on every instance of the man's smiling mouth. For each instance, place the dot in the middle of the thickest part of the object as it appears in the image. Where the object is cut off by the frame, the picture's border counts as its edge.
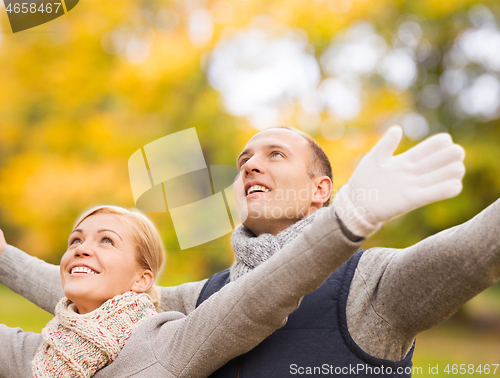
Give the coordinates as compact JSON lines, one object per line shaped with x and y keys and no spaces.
{"x":257,"y":189}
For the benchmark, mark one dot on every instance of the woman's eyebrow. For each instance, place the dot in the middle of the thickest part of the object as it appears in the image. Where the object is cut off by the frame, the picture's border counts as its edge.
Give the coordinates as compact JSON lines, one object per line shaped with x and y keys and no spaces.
{"x":72,"y":232}
{"x":103,"y":230}
{"x":114,"y":232}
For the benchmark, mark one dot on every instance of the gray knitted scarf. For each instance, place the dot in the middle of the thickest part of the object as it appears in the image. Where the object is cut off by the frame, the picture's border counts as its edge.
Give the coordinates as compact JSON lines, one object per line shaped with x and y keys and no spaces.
{"x":251,"y":250}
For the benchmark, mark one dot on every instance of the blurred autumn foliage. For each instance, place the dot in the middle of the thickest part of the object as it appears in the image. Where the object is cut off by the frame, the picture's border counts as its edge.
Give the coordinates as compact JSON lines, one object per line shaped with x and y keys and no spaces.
{"x":80,"y":94}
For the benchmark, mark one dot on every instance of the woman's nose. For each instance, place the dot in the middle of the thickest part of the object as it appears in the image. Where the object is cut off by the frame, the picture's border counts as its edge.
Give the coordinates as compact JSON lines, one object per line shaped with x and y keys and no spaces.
{"x":83,"y":250}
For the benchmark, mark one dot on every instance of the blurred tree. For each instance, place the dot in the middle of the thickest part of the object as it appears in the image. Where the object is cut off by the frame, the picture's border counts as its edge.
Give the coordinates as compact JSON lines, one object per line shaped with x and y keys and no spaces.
{"x":80,"y":94}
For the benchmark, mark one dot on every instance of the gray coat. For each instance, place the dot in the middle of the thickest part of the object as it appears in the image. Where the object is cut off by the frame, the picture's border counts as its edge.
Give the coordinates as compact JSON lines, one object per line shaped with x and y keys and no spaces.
{"x":228,"y":324}
{"x":394,"y":295}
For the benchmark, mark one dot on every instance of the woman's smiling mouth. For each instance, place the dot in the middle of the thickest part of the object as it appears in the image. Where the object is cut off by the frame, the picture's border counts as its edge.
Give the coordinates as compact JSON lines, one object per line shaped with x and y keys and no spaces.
{"x":82,"y":270}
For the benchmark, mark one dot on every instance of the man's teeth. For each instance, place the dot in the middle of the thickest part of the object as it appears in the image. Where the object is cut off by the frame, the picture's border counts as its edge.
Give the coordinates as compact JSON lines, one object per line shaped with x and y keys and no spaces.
{"x":82,"y":269}
{"x":257,"y":188}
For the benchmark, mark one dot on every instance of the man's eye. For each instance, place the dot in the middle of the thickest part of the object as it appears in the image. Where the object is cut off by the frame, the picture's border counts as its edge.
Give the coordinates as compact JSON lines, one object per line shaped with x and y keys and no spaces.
{"x":243,"y":161}
{"x":276,"y":153}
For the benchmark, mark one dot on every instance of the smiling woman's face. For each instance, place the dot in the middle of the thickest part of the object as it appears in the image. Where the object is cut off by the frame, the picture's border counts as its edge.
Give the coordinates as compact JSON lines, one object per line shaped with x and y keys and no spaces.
{"x":100,"y":262}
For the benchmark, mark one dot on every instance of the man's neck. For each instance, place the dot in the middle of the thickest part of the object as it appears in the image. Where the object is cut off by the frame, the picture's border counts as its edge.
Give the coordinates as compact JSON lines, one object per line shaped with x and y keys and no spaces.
{"x":274,"y":229}
{"x":275,"y":226}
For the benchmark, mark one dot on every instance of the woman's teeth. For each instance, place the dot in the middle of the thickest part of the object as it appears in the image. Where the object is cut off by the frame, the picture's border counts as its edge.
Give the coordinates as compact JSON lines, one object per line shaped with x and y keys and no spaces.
{"x":82,"y":269}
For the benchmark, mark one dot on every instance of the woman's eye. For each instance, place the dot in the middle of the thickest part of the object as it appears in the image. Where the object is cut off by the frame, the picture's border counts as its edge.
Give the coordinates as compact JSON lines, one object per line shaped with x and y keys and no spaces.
{"x":75,"y":241}
{"x":108,"y":240}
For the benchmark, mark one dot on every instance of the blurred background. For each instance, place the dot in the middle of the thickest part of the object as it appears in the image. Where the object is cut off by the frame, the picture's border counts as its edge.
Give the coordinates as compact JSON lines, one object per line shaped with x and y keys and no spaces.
{"x":80,"y":94}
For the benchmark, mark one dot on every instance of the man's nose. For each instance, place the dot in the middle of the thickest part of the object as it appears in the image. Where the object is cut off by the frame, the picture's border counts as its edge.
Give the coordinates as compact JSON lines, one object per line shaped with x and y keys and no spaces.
{"x":253,"y":165}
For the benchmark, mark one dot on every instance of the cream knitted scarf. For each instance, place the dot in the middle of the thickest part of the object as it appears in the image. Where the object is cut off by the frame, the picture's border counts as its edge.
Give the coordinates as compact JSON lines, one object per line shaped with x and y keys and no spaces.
{"x":251,"y":250}
{"x":78,"y":345}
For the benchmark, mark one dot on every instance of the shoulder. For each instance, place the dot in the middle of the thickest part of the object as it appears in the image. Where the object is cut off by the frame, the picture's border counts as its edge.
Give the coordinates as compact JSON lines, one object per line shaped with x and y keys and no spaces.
{"x":141,"y":355}
{"x":371,"y":267}
{"x":377,"y":256}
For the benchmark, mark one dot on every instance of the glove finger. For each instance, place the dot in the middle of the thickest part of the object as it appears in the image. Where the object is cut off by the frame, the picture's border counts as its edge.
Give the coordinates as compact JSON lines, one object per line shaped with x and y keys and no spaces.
{"x":386,"y":146}
{"x":427,"y":147}
{"x":440,"y":158}
{"x":453,"y":171}
{"x":443,"y":190}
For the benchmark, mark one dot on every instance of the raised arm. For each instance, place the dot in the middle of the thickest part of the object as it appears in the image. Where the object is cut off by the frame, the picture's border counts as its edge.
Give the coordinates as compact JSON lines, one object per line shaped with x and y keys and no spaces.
{"x":180,"y":298}
{"x":40,"y":282}
{"x":34,"y":279}
{"x":382,"y":187}
{"x":246,"y":311}
{"x":404,"y":292}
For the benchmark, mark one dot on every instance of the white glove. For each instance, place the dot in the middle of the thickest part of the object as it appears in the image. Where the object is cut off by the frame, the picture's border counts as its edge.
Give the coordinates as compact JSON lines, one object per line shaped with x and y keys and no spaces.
{"x":384,"y":186}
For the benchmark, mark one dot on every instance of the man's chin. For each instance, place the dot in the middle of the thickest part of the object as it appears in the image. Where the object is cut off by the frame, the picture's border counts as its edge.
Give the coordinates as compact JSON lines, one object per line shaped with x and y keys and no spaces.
{"x":264,"y":223}
{"x":254,"y":208}
{"x":273,"y":212}
{"x":272,"y":219}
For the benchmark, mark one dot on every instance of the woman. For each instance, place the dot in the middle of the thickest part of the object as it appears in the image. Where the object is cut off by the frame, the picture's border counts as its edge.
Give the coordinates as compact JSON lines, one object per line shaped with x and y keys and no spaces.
{"x":112,"y":259}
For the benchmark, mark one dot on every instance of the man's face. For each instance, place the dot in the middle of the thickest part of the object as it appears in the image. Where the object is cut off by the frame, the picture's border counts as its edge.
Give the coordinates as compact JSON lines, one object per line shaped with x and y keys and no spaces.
{"x":274,"y":189}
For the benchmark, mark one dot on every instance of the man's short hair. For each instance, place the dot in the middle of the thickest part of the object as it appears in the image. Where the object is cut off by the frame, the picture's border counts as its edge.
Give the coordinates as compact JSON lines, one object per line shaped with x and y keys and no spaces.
{"x":319,"y":164}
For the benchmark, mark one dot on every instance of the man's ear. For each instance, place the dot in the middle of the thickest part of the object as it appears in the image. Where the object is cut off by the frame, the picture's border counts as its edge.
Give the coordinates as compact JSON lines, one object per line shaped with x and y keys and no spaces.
{"x":322,"y":190}
{"x":144,"y":282}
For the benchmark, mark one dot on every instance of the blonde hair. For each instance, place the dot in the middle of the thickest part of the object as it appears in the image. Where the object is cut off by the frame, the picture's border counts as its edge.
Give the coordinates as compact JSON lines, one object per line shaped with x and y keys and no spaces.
{"x":149,"y":247}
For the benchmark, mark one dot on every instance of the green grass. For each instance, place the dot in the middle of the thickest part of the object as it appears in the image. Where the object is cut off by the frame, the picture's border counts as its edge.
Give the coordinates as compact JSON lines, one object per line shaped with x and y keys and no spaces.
{"x":473,"y":338}
{"x":15,"y":311}
{"x":446,"y":345}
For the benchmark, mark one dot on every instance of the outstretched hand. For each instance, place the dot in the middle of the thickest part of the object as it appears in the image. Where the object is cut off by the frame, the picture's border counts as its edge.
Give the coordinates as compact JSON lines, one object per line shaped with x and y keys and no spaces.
{"x":3,"y":243}
{"x":384,"y":186}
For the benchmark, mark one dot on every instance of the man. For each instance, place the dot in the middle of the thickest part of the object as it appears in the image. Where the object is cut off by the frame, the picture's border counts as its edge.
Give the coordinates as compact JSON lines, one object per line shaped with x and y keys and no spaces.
{"x":363,"y":320}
